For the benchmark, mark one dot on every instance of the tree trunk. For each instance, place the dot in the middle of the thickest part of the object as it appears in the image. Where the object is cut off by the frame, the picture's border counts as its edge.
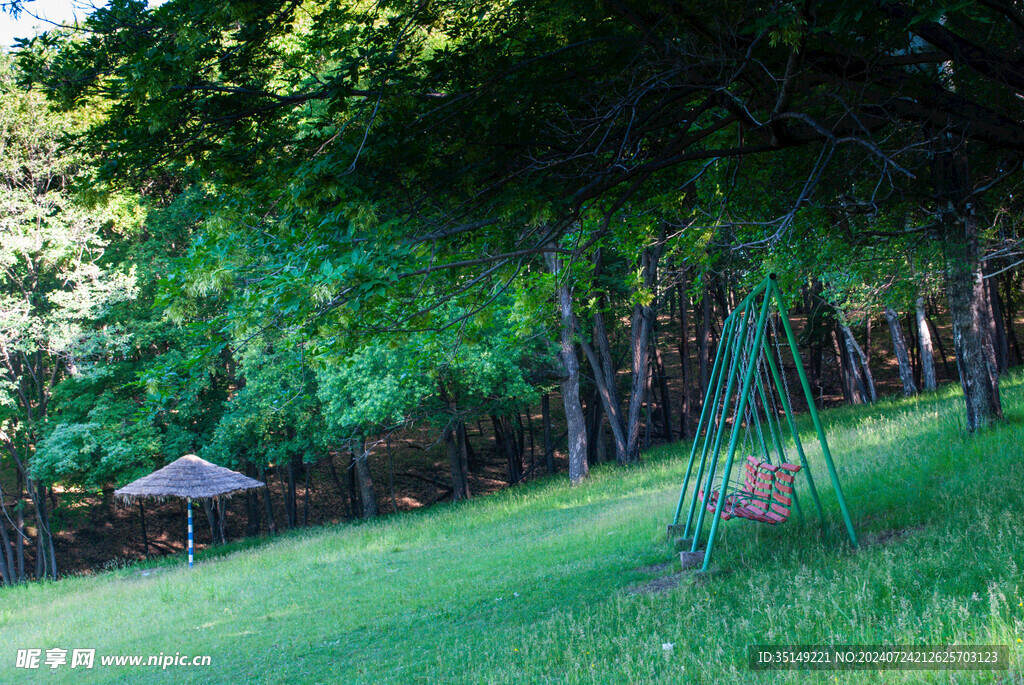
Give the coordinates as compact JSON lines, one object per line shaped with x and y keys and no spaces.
{"x":549,"y":449}
{"x":641,"y":327}
{"x":391,"y":471}
{"x":648,"y":409}
{"x":463,"y":457}
{"x":997,"y":330}
{"x":533,"y":442}
{"x":684,"y":360}
{"x":860,"y":380}
{"x":471,"y":458}
{"x":600,"y":357}
{"x":856,"y":377}
{"x":848,"y":379}
{"x":704,"y":343}
{"x":267,"y":504}
{"x":210,"y":507}
{"x":20,"y":525}
{"x":46,"y":560}
{"x":924,"y":338}
{"x":865,"y":367}
{"x":453,"y":438}
{"x":11,"y":576}
{"x":142,"y":525}
{"x":867,"y":340}
{"x":818,"y":334}
{"x":1010,"y":312}
{"x":355,"y":501}
{"x":305,"y":494}
{"x":965,"y":288}
{"x":942,"y":348}
{"x":912,"y":350}
{"x":366,"y":494}
{"x":602,"y":365}
{"x":899,"y":344}
{"x":252,"y":503}
{"x":506,"y":444}
{"x":6,"y":575}
{"x":334,"y":476}
{"x":595,"y":418}
{"x":666,"y":398}
{"x":289,"y":496}
{"x":641,"y":322}
{"x":601,"y":451}
{"x":974,"y":356}
{"x":570,"y":384}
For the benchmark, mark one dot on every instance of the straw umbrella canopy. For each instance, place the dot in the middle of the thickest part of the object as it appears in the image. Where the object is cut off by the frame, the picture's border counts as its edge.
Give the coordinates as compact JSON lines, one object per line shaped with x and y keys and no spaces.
{"x":188,"y":478}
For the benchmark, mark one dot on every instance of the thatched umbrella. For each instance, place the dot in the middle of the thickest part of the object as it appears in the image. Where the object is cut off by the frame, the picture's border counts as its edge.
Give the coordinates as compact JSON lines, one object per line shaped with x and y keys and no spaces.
{"x":189,"y":478}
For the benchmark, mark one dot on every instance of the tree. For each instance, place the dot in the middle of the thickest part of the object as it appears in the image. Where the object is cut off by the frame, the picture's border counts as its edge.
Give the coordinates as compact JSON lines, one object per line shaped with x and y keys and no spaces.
{"x":272,"y":415}
{"x":54,"y":291}
{"x":478,"y":138}
{"x":489,"y":367}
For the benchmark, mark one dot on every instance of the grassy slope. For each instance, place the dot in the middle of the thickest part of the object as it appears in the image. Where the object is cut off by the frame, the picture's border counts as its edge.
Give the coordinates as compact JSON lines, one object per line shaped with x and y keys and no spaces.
{"x":432,"y":596}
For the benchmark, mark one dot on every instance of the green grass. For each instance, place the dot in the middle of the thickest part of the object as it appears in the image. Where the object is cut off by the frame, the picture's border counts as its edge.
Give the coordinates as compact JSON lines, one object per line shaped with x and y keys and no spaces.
{"x":538,"y":583}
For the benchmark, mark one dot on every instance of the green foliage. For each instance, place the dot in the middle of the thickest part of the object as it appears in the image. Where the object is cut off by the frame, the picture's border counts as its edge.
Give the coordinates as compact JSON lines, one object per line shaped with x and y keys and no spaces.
{"x":484,"y":367}
{"x":377,"y":388}
{"x":115,"y":447}
{"x":274,"y":414}
{"x":58,"y":287}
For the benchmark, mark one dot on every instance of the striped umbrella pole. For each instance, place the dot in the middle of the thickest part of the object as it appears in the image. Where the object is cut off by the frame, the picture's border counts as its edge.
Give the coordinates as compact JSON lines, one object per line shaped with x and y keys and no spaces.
{"x":190,"y":532}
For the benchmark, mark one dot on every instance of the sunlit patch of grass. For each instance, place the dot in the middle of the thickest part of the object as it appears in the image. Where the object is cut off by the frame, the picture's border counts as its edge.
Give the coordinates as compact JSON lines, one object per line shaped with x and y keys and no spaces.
{"x":540,"y":583}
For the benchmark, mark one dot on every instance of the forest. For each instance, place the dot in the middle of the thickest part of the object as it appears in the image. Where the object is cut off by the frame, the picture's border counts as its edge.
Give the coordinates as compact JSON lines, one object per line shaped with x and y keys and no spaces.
{"x":381,"y":255}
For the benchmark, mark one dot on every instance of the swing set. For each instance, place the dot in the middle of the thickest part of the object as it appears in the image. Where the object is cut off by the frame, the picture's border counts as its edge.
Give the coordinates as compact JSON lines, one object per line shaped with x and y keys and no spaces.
{"x":750,"y":356}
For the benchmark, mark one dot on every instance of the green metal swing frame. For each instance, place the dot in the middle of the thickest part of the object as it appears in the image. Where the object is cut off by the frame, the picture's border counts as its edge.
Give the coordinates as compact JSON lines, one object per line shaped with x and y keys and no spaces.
{"x":737,"y":330}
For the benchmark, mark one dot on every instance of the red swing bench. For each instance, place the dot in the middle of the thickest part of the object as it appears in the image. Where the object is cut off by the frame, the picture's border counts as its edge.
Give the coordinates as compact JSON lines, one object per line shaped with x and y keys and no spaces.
{"x":766,"y":494}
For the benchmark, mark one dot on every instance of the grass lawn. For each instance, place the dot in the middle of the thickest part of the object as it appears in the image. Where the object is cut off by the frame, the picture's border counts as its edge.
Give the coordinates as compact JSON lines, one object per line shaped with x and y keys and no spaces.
{"x":543,"y":583}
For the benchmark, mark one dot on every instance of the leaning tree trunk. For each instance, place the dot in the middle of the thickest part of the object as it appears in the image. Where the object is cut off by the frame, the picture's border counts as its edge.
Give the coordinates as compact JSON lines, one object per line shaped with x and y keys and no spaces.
{"x":570,"y":383}
{"x":976,"y":364}
{"x":997,"y":330}
{"x":846,"y":384}
{"x":859,"y":381}
{"x":924,"y":337}
{"x":640,"y":339}
{"x":46,"y":561}
{"x":642,"y":323}
{"x":600,"y":357}
{"x":899,"y":345}
{"x":961,"y":239}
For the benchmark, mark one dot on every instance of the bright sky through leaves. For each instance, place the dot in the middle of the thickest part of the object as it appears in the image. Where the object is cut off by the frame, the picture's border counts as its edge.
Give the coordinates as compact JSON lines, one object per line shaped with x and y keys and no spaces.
{"x":39,"y":16}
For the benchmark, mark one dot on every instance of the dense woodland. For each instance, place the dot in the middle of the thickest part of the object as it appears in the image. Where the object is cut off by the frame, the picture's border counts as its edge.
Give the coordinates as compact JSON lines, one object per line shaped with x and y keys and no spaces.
{"x":391,"y":253}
